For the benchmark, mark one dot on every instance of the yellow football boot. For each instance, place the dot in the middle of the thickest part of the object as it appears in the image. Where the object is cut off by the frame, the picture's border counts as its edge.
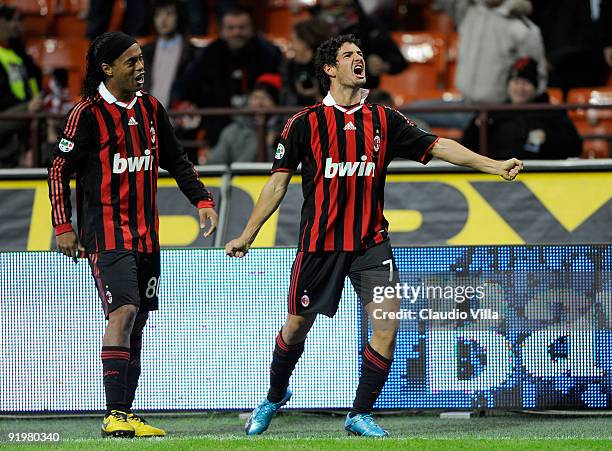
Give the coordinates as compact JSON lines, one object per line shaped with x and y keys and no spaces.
{"x":116,"y":425}
{"x":142,"y":428}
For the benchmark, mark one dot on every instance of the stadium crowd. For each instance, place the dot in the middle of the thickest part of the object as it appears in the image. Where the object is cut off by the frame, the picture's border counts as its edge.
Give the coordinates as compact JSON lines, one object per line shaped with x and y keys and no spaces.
{"x":508,"y":52}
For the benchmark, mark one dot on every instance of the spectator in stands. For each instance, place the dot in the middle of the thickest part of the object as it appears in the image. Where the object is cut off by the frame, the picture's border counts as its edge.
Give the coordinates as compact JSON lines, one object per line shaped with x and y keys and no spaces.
{"x":16,"y":42}
{"x":347,"y":17}
{"x":225,"y":72}
{"x":169,"y":52}
{"x":19,"y":93}
{"x":573,"y":46}
{"x":493,"y":34}
{"x":300,"y":83}
{"x":56,"y":100}
{"x":240,"y":141}
{"x":136,"y":17}
{"x":527,"y":134}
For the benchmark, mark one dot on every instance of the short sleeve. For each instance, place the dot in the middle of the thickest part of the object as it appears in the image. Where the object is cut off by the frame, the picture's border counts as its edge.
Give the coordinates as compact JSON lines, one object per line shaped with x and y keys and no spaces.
{"x":406,"y":140}
{"x":290,"y":148}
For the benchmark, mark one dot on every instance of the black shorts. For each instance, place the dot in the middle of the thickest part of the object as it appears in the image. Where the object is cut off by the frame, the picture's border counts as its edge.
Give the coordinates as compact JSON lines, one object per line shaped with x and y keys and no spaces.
{"x":317,"y":279}
{"x":126,"y":277}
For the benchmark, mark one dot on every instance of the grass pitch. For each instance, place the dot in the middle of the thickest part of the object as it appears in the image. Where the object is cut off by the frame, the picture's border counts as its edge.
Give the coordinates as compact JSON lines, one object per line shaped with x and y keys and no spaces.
{"x":304,"y":431}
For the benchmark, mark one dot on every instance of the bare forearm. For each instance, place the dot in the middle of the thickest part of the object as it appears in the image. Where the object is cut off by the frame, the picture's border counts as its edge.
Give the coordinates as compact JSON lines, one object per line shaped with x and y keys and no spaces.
{"x":270,"y":198}
{"x":453,"y":152}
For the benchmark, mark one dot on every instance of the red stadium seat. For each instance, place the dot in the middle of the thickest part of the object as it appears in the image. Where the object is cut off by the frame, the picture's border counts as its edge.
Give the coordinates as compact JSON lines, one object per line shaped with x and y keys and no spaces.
{"x":144,"y":40}
{"x":594,"y":96}
{"x":585,"y":128}
{"x":438,"y":21}
{"x":592,"y":121}
{"x":555,"y":95}
{"x":69,"y":26}
{"x":277,"y":21}
{"x":277,"y":17}
{"x":595,"y":148}
{"x":36,"y":15}
{"x":68,"y":53}
{"x":426,"y":53}
{"x":593,"y":145}
{"x":31,"y":7}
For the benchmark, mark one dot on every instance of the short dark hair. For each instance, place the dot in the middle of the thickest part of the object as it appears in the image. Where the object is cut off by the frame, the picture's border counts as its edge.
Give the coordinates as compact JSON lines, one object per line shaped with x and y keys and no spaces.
{"x":327,"y":53}
{"x":182,"y":17}
{"x":236,"y":11}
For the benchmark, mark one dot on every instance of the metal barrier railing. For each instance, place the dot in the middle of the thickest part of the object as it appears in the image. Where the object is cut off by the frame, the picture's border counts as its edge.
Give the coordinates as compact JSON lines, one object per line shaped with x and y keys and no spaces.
{"x":483,"y":111}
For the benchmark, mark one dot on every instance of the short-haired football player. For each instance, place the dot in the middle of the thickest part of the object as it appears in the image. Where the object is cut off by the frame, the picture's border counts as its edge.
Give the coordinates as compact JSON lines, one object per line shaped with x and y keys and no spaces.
{"x":344,"y":145}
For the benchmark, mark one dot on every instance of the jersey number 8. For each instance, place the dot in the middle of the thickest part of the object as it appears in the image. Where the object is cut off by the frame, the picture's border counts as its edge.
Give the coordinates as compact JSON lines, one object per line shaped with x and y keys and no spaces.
{"x":152,"y":288}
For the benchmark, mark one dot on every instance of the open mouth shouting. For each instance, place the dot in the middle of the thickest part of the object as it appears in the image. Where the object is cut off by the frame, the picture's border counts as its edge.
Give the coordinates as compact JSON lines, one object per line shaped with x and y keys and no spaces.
{"x":140,"y":78}
{"x":359,"y":70}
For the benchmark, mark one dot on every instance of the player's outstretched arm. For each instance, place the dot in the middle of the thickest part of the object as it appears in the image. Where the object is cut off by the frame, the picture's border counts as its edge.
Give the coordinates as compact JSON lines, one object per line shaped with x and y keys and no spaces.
{"x":270,"y":198}
{"x":453,"y":152}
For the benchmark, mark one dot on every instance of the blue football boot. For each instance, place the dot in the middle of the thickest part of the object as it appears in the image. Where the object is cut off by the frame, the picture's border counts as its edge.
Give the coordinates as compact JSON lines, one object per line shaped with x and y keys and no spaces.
{"x":262,"y":416}
{"x":363,"y":424}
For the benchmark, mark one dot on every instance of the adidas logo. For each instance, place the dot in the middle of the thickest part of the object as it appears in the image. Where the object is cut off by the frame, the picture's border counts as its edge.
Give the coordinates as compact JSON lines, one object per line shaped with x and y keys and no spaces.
{"x":350,"y":126}
{"x":132,"y":121}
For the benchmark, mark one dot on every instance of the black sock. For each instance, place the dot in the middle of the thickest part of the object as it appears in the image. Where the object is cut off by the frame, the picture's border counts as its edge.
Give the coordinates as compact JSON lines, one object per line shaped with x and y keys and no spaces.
{"x":374,"y":372}
{"x":133,"y":371}
{"x":115,"y":366}
{"x":283,"y":362}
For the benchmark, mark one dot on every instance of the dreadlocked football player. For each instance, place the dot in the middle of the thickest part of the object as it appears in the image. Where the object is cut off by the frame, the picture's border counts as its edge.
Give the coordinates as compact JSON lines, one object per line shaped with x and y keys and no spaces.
{"x":344,"y":145}
{"x":115,"y":140}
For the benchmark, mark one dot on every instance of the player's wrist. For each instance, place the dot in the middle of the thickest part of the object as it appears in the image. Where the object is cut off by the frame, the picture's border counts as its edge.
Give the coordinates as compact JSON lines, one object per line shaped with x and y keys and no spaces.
{"x":248,"y":238}
{"x":205,"y":204}
{"x":60,"y":229}
{"x":500,"y":169}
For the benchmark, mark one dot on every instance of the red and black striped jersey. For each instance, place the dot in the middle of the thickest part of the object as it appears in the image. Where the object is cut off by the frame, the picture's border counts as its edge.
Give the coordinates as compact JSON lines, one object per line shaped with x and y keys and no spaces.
{"x":115,"y":149}
{"x":345,"y":152}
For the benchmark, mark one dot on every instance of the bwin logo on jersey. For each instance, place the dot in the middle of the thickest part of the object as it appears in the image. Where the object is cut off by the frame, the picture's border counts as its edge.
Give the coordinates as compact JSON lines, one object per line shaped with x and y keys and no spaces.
{"x":361,"y":168}
{"x":132,"y":164}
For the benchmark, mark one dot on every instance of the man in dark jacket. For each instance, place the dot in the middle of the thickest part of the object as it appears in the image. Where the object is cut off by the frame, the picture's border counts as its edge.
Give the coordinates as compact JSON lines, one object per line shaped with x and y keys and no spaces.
{"x":166,"y":56}
{"x":573,"y":47}
{"x":169,"y":52}
{"x":526,"y":134}
{"x":225,"y":72}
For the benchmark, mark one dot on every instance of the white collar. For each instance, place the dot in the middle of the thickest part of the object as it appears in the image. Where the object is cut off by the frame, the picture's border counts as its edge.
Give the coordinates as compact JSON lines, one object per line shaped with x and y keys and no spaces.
{"x":329,"y":101}
{"x":109,"y":98}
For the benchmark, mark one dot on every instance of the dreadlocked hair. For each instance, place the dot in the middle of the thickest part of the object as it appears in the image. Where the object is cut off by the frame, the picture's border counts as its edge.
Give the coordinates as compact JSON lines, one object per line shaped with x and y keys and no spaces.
{"x":94,"y":75}
{"x":327,"y":53}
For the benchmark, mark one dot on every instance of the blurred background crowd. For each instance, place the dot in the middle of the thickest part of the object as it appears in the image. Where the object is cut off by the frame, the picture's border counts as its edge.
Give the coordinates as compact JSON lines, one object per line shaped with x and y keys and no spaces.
{"x":448,"y":55}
